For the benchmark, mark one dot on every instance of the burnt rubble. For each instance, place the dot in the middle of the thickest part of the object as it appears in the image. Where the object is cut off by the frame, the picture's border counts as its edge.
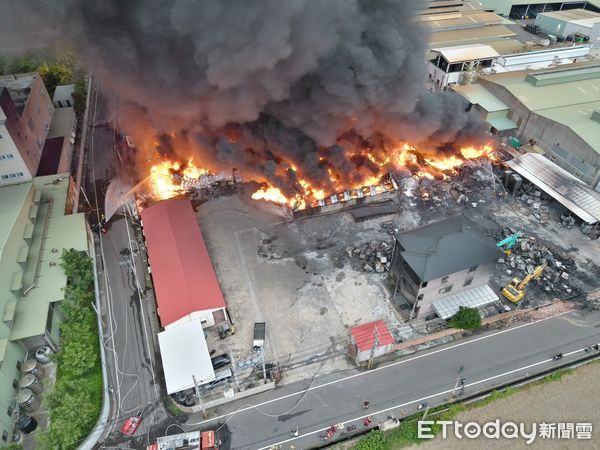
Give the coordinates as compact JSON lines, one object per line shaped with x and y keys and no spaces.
{"x":372,"y":256}
{"x":529,"y":253}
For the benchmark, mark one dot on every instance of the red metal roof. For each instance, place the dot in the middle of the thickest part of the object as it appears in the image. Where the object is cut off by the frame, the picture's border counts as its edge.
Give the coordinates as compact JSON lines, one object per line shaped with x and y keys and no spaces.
{"x":184,"y":278}
{"x":364,"y":335}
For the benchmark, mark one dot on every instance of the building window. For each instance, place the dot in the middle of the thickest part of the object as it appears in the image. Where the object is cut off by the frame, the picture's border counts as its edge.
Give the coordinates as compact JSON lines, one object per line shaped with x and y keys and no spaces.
{"x":472,"y":269}
{"x":15,"y":384}
{"x":420,"y":297}
{"x":19,"y":365}
{"x":31,"y":124}
{"x":9,"y":411}
{"x":12,"y":175}
{"x":7,"y":156}
{"x":445,"y":279}
{"x":445,"y":289}
{"x":468,"y":282}
{"x":424,"y":284}
{"x":4,"y":436}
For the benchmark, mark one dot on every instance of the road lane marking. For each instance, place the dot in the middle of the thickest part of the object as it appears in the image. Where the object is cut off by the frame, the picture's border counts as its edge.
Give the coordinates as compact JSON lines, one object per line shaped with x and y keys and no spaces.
{"x":404,"y":361}
{"x":420,"y":400}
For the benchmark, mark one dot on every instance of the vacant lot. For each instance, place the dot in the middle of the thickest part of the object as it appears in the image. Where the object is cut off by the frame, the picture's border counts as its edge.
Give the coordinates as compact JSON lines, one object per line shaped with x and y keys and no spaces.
{"x":572,"y":399}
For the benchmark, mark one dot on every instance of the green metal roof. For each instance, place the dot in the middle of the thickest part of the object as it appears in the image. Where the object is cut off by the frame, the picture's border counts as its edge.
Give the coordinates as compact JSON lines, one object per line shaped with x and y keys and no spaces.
{"x":12,"y":200}
{"x":3,"y":344}
{"x":502,"y":123}
{"x":43,"y":279}
{"x":568,"y":96}
{"x":479,"y":95}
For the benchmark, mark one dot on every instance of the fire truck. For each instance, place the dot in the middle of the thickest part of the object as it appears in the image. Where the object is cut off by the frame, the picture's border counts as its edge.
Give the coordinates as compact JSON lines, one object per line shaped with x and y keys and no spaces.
{"x":197,"y":440}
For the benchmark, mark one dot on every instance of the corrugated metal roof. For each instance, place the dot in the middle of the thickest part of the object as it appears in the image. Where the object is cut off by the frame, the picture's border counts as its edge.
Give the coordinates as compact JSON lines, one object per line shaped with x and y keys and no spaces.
{"x":469,"y":35}
{"x":43,"y":278}
{"x":479,"y":95}
{"x":570,"y":192}
{"x":183,"y":274}
{"x":364,"y":335}
{"x":502,"y":123}
{"x":184,"y":354}
{"x":467,"y":52}
{"x":566,"y":95}
{"x":473,"y":298}
{"x":572,"y":15}
{"x":431,"y":251}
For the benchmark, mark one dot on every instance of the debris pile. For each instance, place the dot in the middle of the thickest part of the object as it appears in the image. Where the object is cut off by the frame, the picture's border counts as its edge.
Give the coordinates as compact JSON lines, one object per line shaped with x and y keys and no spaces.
{"x":529,"y":253}
{"x":372,"y":256}
{"x":533,"y":198}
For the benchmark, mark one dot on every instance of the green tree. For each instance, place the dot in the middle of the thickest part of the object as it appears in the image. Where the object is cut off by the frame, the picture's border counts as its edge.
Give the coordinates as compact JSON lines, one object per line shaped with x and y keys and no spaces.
{"x":54,"y":74}
{"x":466,"y":319}
{"x":75,"y":401}
{"x":79,"y":96}
{"x":375,"y":440}
{"x":78,"y":267}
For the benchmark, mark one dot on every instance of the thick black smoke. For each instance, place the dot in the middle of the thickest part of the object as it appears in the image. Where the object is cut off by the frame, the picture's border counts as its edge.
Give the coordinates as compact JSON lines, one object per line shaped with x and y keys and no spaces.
{"x":290,"y":80}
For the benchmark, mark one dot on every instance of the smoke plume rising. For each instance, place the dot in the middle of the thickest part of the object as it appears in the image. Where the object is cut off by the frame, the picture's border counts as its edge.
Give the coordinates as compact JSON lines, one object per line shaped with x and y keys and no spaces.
{"x":265,"y":85}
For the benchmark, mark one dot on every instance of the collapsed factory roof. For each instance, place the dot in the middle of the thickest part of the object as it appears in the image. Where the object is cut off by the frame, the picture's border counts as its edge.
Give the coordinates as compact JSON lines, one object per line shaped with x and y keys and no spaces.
{"x":449,"y":246}
{"x":570,"y":192}
{"x":184,"y":278}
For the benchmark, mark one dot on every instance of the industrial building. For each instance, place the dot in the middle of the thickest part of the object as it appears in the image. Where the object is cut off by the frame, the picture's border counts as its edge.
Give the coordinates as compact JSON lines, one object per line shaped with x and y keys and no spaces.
{"x":555,"y":109}
{"x":465,"y":22}
{"x":442,"y":259}
{"x":459,"y":64}
{"x":25,"y":117}
{"x":577,"y":24}
{"x":577,"y":197}
{"x":184,"y":279}
{"x":529,"y":9}
{"x":188,"y":294}
{"x":35,"y":227}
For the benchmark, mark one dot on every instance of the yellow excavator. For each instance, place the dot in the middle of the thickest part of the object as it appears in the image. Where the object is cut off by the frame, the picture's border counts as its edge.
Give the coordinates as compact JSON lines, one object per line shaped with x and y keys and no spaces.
{"x":515,"y":290}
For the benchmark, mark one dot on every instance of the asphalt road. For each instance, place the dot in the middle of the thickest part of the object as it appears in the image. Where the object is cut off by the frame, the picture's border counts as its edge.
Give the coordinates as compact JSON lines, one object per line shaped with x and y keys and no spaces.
{"x":127,"y":314}
{"x":484,"y":361}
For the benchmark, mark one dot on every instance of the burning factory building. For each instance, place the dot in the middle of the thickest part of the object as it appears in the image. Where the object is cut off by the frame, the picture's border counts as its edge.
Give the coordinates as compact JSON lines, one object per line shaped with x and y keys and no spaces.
{"x":316,"y":115}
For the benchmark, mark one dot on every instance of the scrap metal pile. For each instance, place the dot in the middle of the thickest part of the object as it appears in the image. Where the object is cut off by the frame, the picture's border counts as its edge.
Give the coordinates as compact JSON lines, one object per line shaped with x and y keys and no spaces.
{"x":372,"y":256}
{"x":530,"y":252}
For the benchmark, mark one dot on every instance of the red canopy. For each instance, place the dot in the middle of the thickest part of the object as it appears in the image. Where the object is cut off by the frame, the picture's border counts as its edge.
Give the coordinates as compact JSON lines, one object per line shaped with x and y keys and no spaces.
{"x":184,"y":278}
{"x":364,"y":335}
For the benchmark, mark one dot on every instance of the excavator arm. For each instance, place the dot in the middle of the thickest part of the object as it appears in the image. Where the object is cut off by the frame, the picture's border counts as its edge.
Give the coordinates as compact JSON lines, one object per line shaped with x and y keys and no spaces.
{"x":532,"y":276}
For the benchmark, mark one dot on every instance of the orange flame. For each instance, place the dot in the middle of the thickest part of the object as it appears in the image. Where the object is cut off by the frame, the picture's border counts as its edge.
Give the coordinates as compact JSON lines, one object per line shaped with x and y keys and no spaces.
{"x":162,"y":182}
{"x":271,"y":194}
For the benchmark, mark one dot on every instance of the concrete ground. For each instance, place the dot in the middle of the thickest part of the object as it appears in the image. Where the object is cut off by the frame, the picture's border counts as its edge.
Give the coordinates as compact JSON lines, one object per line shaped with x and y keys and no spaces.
{"x":564,"y":401}
{"x":301,"y":287}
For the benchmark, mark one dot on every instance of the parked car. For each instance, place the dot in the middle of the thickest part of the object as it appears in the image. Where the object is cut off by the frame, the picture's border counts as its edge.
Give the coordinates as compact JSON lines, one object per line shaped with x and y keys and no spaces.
{"x":220,"y":377}
{"x":220,"y":361}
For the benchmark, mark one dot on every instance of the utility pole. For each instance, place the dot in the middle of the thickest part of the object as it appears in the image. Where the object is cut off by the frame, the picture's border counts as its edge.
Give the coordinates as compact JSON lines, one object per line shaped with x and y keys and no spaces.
{"x":458,"y":380}
{"x":197,"y":390}
{"x":412,"y":312}
{"x":375,"y":345}
{"x":512,"y":316}
{"x":262,"y":355}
